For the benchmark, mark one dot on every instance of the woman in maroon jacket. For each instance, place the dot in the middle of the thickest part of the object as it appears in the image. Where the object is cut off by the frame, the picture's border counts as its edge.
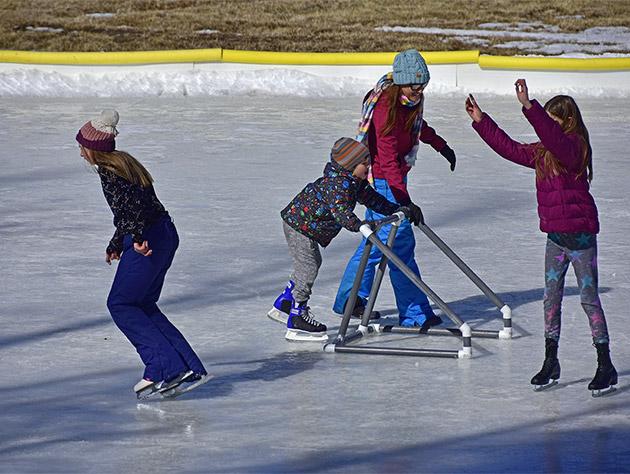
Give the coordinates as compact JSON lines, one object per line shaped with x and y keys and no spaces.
{"x":392,"y":125}
{"x":562,"y":160}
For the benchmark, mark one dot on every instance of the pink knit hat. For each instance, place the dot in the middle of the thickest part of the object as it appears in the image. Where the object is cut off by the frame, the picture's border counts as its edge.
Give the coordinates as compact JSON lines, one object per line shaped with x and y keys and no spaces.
{"x":99,"y":134}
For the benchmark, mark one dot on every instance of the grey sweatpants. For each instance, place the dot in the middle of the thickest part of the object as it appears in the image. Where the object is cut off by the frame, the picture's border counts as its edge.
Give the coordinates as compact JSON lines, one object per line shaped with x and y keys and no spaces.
{"x":557,"y":261}
{"x":306,"y":262}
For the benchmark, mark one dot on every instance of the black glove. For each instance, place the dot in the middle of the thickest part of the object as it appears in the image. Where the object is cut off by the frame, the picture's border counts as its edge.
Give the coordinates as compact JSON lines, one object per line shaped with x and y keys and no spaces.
{"x":370,"y":224}
{"x":405,"y":210}
{"x":449,"y":154}
{"x":415,"y":214}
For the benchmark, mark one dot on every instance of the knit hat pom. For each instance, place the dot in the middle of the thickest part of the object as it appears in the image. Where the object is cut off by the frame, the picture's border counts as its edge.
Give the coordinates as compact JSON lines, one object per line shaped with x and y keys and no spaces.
{"x":107,"y":122}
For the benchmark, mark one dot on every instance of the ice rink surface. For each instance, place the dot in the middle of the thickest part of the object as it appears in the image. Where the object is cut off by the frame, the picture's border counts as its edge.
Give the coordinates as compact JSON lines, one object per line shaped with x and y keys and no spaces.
{"x":224,"y":167}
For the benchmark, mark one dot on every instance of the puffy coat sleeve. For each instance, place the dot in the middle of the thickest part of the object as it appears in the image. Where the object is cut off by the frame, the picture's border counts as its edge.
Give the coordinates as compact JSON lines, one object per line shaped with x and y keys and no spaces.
{"x":387,"y":149}
{"x":567,"y":148}
{"x":375,"y":201}
{"x":429,"y":136}
{"x":501,"y":142}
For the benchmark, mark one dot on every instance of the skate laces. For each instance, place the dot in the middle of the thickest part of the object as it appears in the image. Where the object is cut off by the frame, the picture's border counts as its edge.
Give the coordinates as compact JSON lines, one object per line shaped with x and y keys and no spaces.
{"x":306,"y":316}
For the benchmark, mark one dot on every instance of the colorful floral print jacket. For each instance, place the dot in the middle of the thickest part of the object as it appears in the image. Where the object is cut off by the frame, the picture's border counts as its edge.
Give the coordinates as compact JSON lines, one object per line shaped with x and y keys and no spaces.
{"x":322,"y":208}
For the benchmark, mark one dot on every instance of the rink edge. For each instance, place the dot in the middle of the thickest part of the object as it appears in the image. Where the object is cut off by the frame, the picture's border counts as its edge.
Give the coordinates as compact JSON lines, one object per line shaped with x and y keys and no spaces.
{"x":218,"y":55}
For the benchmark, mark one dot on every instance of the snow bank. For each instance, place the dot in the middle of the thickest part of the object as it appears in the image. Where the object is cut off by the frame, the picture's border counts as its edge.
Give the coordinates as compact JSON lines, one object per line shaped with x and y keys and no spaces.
{"x":306,"y":82}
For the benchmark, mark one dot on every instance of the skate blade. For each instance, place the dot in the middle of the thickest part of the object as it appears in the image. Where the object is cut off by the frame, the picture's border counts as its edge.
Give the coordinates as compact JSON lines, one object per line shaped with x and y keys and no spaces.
{"x":278,"y":316}
{"x":177,"y":391}
{"x":175,"y":383}
{"x":148,"y":393}
{"x":603,"y":392}
{"x":294,"y":336}
{"x":547,"y":386}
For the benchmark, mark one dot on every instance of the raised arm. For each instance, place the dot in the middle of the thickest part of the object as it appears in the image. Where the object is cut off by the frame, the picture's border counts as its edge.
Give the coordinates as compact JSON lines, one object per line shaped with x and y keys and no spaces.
{"x":566,"y":148}
{"x":496,"y":138}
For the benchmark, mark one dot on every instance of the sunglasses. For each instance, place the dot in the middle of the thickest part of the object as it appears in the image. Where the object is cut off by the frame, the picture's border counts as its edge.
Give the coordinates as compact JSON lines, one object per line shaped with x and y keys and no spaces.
{"x":416,"y":87}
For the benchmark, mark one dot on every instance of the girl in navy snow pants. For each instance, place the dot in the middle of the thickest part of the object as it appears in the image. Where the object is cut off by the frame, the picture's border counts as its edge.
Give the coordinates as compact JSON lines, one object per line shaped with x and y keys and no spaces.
{"x":132,"y":304}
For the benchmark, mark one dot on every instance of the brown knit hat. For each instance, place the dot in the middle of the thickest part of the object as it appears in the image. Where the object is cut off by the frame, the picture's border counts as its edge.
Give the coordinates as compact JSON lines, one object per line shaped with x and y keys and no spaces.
{"x":349,"y":153}
{"x":99,"y":134}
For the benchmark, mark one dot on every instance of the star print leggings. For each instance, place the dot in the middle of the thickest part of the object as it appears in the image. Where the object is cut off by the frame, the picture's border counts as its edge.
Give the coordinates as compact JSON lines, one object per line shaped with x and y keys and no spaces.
{"x":557,"y":260}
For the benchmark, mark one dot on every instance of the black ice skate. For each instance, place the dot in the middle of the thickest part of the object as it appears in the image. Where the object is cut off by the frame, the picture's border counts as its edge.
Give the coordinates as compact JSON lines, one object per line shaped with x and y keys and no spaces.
{"x":550,"y":372}
{"x":302,"y":327}
{"x":281,"y":308}
{"x":606,"y":375}
{"x":359,"y":309}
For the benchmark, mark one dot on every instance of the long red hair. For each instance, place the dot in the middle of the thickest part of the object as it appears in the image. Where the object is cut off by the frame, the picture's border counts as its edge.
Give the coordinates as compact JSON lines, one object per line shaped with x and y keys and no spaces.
{"x":392,"y":95}
{"x":564,"y":108}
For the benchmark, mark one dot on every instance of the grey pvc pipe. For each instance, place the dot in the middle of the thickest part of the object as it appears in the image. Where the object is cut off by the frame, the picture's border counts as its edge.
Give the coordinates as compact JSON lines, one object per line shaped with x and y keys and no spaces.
{"x":441,"y":332}
{"x":398,"y":351}
{"x":379,"y":278}
{"x":415,"y":279}
{"x":352,"y":299}
{"x":461,"y":265}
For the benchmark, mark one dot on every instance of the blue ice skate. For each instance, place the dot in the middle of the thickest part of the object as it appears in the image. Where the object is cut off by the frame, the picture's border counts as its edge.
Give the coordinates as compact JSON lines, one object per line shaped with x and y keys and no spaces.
{"x":282,"y":306}
{"x":301,"y":326}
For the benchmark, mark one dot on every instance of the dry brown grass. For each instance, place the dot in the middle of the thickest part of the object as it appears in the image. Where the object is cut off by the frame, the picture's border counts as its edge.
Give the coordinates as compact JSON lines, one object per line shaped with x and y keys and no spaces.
{"x":281,"y":25}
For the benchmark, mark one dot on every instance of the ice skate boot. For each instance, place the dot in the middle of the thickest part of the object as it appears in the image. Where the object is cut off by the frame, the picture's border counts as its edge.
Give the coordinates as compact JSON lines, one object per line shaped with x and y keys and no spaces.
{"x":146,"y":388}
{"x":191,"y":383}
{"x":302,"y":327}
{"x":606,"y":375}
{"x":282,"y":306}
{"x":550,"y":372}
{"x":359,"y":309}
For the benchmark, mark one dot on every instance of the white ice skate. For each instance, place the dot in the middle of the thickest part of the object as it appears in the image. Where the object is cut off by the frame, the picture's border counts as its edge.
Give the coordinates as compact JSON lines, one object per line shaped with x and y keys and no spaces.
{"x":146,"y":389}
{"x":187,"y":385}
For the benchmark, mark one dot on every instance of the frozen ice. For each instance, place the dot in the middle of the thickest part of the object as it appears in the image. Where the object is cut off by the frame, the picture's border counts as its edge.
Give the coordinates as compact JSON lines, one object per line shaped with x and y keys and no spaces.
{"x":225,"y":165}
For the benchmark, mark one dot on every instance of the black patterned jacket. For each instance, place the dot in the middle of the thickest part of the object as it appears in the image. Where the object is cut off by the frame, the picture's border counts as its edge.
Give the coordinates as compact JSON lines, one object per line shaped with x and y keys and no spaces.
{"x":322,"y":208}
{"x":135,"y":208}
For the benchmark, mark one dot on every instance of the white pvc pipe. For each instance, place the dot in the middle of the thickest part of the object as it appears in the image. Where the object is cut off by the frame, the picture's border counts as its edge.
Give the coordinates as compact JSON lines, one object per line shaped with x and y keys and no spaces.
{"x":506,"y":332}
{"x":366,"y":230}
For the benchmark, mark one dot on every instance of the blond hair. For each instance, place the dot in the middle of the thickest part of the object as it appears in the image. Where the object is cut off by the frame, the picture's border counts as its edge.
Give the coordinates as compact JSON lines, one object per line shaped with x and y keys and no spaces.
{"x":124,"y":165}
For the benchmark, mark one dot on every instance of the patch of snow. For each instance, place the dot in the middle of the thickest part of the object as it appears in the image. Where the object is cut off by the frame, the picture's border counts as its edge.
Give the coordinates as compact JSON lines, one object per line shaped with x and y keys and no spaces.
{"x":44,"y":29}
{"x":536,"y":37}
{"x":521,"y":26}
{"x":99,"y":15}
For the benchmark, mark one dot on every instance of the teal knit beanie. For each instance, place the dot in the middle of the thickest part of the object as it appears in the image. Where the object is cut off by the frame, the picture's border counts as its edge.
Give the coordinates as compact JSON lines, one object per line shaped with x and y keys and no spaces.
{"x":410,"y":68}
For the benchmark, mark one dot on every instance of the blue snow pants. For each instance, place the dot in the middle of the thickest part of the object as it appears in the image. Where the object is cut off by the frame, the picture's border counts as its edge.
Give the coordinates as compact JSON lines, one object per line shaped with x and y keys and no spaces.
{"x":132,"y":303}
{"x":413,"y":305}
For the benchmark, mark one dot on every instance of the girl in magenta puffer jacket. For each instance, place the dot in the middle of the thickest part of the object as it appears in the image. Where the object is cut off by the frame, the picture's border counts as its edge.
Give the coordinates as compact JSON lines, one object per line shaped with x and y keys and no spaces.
{"x":562,"y":160}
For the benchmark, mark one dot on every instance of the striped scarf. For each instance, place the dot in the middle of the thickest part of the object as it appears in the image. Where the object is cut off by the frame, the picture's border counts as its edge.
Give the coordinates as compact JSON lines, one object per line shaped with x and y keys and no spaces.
{"x":368,"y":111}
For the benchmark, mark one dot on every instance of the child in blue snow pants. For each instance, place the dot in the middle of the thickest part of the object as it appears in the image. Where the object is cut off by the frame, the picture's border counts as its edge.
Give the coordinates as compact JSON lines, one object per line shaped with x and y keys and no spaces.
{"x":413,"y":305}
{"x":132,"y":304}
